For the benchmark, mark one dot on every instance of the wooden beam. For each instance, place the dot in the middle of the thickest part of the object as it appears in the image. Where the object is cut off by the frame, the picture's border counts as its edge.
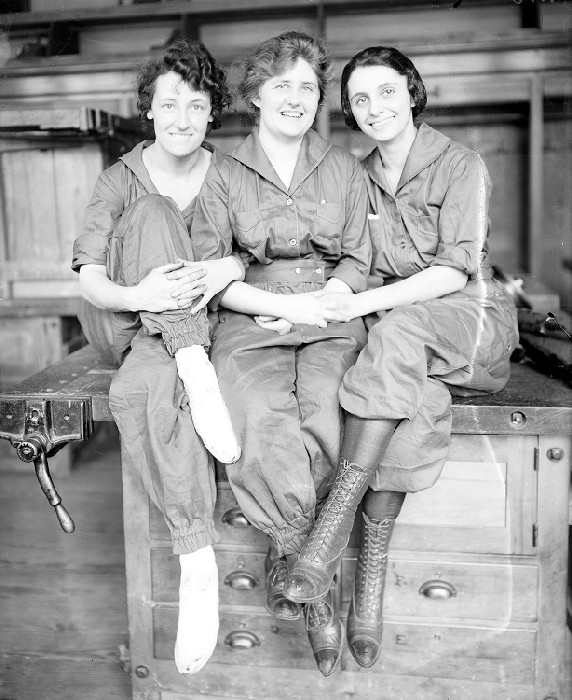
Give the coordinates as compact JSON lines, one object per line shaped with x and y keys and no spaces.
{"x":222,"y":8}
{"x":534,"y":246}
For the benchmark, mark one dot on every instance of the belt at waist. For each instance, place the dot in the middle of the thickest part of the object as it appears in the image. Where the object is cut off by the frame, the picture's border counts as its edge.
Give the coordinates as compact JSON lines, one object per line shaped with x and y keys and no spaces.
{"x":289,"y":271}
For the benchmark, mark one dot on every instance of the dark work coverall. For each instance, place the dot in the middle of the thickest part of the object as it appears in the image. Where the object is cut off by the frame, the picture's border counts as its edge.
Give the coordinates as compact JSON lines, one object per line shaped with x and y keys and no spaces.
{"x":282,"y":390}
{"x":418,"y":355}
{"x":131,"y":229}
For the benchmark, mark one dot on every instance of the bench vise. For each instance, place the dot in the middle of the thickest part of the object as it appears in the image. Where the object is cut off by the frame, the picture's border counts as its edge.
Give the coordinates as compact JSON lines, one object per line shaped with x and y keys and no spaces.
{"x":37,"y":429}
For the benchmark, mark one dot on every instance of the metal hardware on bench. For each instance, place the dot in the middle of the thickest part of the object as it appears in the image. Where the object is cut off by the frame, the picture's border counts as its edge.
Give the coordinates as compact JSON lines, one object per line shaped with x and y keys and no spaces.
{"x":37,"y":429}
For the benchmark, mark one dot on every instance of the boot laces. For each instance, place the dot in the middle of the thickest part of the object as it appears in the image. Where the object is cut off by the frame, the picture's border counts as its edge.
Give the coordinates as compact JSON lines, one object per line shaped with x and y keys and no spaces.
{"x":335,"y":511}
{"x":318,"y":614}
{"x":372,"y":565}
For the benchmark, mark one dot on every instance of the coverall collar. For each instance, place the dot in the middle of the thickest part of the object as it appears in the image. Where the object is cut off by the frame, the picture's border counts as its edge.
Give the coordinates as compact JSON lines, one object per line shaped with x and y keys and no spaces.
{"x":313,"y":150}
{"x":425,"y":149}
{"x":134,"y":161}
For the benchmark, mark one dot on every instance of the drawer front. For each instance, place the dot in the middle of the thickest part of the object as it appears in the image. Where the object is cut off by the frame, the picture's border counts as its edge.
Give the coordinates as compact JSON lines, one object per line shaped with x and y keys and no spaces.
{"x":269,"y":684}
{"x":244,"y":640}
{"x":459,"y":653}
{"x":241,"y":578}
{"x":231,"y":525}
{"x":455,"y":591}
{"x":419,"y":650}
{"x":484,"y":502}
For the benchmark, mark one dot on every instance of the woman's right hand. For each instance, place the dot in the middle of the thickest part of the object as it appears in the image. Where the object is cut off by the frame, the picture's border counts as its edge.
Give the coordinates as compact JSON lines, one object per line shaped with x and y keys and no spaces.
{"x":157,"y":293}
{"x":310,"y":308}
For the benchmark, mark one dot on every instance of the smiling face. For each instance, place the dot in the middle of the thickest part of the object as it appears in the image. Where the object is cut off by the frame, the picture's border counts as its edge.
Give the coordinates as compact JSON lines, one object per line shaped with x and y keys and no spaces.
{"x":180,"y":115}
{"x":381,"y":104}
{"x":288,"y":103}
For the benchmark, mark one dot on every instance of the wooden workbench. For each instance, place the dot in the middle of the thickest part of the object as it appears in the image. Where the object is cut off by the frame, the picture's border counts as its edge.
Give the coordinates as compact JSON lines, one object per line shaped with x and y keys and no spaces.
{"x":475,"y":603}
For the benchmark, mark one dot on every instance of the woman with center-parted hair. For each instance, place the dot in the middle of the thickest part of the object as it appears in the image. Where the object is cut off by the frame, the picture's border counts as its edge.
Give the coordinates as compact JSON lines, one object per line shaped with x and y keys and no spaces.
{"x":295,"y":207}
{"x":439,"y":324}
{"x":139,"y":286}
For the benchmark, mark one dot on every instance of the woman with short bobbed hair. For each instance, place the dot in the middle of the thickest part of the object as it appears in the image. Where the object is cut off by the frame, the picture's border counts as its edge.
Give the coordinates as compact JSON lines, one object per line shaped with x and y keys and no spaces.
{"x":295,"y":208}
{"x":194,"y":64}
{"x":438,"y":325}
{"x":141,"y":311}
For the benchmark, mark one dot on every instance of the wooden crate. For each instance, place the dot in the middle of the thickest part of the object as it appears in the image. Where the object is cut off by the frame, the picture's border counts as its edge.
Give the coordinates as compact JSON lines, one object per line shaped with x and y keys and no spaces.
{"x":44,"y":189}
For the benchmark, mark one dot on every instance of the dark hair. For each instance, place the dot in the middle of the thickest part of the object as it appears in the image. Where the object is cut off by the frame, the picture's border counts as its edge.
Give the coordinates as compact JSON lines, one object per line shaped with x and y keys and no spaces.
{"x":274,"y":56}
{"x":191,"y":60}
{"x":392,"y":58}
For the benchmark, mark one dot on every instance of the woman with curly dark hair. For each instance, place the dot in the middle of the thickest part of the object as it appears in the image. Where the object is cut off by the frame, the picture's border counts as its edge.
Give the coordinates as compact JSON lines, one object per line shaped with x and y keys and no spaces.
{"x":141,"y":308}
{"x":295,"y":207}
{"x":439,"y":324}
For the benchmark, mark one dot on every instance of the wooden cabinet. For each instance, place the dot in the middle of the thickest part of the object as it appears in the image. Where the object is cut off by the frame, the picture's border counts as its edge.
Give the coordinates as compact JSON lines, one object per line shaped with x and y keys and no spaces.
{"x":475,"y":596}
{"x":475,"y":604}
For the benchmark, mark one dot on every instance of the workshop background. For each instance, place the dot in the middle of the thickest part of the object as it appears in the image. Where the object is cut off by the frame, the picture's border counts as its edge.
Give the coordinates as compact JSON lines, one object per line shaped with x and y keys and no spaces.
{"x":498,"y":79}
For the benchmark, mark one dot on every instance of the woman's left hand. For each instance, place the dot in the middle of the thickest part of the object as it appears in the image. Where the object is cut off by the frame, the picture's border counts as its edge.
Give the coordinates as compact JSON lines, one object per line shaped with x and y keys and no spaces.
{"x":339,"y":306}
{"x":272,"y":323}
{"x":218,"y":275}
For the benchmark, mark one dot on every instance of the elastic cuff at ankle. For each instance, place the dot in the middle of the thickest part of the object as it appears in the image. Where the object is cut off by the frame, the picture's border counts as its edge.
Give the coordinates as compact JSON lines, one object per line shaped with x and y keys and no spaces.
{"x":291,"y":538}
{"x":199,"y":534}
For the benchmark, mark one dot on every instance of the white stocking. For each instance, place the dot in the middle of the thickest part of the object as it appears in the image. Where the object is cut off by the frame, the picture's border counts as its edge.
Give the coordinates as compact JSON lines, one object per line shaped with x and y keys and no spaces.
{"x":210,"y":414}
{"x":198,"y":610}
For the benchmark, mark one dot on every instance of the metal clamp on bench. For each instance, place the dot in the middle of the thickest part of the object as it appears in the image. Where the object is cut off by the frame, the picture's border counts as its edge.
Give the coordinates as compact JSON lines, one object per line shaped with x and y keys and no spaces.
{"x":37,"y":429}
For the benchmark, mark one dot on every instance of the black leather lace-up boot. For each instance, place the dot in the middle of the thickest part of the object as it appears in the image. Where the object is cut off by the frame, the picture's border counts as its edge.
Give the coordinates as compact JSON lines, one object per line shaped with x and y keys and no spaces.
{"x":311,"y":576}
{"x":365,"y":619}
{"x":325,"y":633}
{"x":276,"y":603}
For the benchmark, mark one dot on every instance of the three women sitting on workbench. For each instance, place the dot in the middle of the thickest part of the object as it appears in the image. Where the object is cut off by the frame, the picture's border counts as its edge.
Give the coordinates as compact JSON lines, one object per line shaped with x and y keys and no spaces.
{"x":297,"y":210}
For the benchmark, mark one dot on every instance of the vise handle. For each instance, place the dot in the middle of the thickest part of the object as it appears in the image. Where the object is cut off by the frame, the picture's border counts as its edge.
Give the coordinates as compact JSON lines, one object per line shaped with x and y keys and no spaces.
{"x":37,"y":429}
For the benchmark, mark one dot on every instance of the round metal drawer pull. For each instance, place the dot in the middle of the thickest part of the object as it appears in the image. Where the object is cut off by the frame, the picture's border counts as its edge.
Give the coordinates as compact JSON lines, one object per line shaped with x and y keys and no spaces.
{"x":241,"y":580}
{"x":242,"y":639}
{"x":437,"y":590}
{"x":235,"y":517}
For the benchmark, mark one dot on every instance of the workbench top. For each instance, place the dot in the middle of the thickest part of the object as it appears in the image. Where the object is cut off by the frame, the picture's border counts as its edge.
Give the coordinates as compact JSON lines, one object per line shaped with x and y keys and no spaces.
{"x":531,"y":403}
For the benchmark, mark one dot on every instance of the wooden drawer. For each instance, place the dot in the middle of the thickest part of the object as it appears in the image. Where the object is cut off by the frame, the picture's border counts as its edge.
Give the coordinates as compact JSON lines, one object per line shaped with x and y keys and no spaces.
{"x":241,"y":578}
{"x":484,"y":502}
{"x":259,"y":640}
{"x":474,"y":507}
{"x":484,"y":654}
{"x":478,"y":590}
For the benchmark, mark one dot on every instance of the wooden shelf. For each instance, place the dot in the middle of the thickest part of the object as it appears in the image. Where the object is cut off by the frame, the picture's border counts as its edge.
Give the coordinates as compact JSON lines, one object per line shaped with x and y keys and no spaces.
{"x":223,"y":9}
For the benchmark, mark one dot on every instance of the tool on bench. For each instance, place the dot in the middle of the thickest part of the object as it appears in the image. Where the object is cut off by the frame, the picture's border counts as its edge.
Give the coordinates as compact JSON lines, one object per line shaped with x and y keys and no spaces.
{"x":37,"y":429}
{"x":542,"y":324}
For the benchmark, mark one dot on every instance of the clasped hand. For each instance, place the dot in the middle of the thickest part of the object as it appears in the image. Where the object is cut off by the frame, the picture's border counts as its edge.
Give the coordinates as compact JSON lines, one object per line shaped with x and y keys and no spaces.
{"x":178,"y":285}
{"x":314,"y":308}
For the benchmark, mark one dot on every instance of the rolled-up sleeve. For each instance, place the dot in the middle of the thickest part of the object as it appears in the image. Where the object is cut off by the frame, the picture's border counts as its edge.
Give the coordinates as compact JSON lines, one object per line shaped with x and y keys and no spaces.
{"x":211,"y":230}
{"x":354,"y":265}
{"x":463,"y":219}
{"x":100,"y":219}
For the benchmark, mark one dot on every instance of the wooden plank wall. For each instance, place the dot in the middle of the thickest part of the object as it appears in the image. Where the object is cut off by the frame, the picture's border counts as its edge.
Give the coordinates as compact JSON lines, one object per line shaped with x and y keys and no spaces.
{"x":45,"y":189}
